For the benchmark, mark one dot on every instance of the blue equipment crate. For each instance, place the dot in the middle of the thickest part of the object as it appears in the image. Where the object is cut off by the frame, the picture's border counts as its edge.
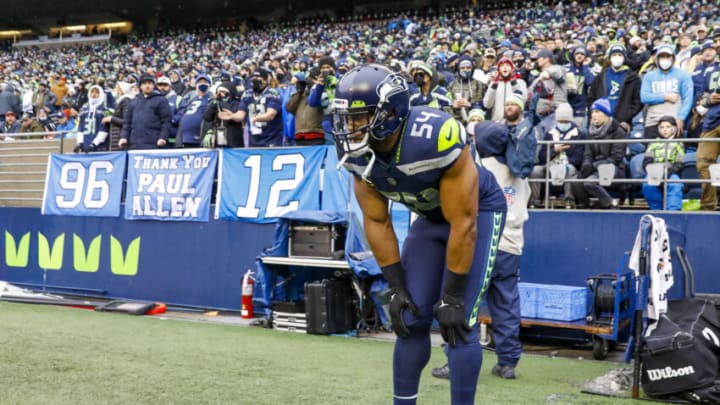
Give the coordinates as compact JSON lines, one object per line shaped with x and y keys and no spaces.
{"x":528,"y":299}
{"x":562,"y":302}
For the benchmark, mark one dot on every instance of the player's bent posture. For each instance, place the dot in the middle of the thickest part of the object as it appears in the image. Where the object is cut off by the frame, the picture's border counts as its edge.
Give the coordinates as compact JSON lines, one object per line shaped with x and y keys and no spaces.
{"x":419,"y":157}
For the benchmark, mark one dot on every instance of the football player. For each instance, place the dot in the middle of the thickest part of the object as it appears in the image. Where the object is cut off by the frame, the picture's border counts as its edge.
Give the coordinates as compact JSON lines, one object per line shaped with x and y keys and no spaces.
{"x":419,"y":157}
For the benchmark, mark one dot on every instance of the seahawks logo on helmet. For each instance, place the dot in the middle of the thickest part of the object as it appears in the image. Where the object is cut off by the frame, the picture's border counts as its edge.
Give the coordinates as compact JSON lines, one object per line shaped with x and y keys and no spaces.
{"x":391,"y":85}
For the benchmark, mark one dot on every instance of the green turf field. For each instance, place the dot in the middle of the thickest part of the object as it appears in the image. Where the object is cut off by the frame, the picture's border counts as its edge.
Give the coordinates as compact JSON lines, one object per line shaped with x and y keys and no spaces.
{"x":54,"y":355}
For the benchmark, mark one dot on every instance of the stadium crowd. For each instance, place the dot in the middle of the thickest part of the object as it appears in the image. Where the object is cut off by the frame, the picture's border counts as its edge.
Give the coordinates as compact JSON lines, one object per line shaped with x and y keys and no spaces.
{"x":629,"y":69}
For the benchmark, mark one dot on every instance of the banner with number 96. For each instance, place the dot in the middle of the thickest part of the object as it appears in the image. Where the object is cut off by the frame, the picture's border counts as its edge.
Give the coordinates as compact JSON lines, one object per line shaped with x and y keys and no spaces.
{"x":84,"y":184}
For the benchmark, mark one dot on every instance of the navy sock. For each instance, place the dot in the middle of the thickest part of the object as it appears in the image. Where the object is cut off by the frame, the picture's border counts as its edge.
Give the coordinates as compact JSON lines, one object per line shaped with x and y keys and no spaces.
{"x":411,"y":355}
{"x":465,"y":362}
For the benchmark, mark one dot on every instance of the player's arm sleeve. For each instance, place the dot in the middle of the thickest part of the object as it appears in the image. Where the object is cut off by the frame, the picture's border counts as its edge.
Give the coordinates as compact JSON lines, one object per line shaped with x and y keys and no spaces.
{"x":378,"y":225}
{"x":461,"y":213}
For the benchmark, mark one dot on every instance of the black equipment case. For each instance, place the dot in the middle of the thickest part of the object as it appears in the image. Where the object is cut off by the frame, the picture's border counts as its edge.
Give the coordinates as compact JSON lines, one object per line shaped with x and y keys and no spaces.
{"x":329,"y":306}
{"x":316,"y":240}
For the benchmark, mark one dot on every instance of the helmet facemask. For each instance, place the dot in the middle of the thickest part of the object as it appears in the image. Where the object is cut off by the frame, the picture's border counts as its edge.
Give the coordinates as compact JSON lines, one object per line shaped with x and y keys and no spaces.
{"x":352,"y":129}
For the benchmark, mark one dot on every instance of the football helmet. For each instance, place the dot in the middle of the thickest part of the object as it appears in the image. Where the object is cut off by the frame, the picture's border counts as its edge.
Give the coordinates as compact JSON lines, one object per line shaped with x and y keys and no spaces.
{"x":371,"y":103}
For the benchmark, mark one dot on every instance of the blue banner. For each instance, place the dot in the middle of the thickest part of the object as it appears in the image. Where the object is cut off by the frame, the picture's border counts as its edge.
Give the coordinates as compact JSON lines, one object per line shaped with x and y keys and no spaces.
{"x":259,"y":185}
{"x":84,"y":184}
{"x":170,"y":185}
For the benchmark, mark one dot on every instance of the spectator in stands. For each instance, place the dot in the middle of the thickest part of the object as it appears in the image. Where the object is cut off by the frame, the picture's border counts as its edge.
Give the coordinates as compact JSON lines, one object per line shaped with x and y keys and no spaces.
{"x":176,"y":82}
{"x":29,"y":125}
{"x":667,"y":90}
{"x":43,"y":98}
{"x":602,"y":126}
{"x":502,"y":84}
{"x":42,"y":118}
{"x":225,"y":133}
{"x":426,"y":90}
{"x":322,"y":93}
{"x":578,"y":79}
{"x":637,"y":54}
{"x":707,"y":152}
{"x":549,"y":88}
{"x":308,"y":120}
{"x":64,"y":125}
{"x":146,"y":124}
{"x":92,"y":133}
{"x":672,"y":155}
{"x":260,"y":109}
{"x":569,"y":156}
{"x":467,"y":92}
{"x":9,"y":101}
{"x":79,"y":99}
{"x":190,"y":113}
{"x":620,"y":85}
{"x":10,"y":126}
{"x":60,"y":89}
{"x":164,"y":87}
{"x":125,"y":92}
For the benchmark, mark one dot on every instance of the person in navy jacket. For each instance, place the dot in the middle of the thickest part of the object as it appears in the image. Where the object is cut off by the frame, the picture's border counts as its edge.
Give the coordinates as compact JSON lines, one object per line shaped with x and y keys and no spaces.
{"x":147,"y":120}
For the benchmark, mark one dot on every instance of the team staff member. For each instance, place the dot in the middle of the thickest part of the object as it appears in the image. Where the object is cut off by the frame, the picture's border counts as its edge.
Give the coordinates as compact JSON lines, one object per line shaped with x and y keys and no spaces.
{"x":448,"y":255}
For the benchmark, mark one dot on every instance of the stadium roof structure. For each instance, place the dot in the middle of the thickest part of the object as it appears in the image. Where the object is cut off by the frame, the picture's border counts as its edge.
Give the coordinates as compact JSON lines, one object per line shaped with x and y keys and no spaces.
{"x":39,"y":15}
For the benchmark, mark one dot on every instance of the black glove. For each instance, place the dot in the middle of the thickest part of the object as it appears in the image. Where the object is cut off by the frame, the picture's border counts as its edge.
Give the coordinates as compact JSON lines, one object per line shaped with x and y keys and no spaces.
{"x":586,"y":169}
{"x":78,"y":148}
{"x":400,"y":300}
{"x":513,"y":82}
{"x":450,"y":311}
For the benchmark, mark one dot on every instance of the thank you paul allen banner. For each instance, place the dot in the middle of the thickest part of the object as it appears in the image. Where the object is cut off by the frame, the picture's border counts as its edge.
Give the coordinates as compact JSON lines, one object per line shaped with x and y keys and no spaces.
{"x":170,"y":185}
{"x":259,"y":185}
{"x":84,"y":184}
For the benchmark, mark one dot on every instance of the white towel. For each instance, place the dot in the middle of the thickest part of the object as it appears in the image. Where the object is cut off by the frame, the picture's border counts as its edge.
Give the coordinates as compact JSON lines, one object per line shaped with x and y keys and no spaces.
{"x":659,"y":266}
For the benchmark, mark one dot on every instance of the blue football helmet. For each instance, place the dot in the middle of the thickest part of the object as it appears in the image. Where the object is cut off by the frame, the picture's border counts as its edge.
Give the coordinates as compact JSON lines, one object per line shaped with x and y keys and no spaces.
{"x":371,"y":103}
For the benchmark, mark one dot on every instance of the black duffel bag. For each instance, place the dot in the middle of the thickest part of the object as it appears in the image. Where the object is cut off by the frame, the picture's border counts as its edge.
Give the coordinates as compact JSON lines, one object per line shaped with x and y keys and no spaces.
{"x":674,"y":361}
{"x":698,"y":317}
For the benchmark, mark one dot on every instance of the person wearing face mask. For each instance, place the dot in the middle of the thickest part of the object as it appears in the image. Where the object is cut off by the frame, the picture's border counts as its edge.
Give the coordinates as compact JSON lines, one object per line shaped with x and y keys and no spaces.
{"x":620,"y":86}
{"x":467,"y":92}
{"x":322,"y":93}
{"x":568,"y":155}
{"x":503,"y":84}
{"x":190,"y":113}
{"x":125,"y":92}
{"x":260,"y":109}
{"x":672,"y":155}
{"x":92,"y":133}
{"x":426,"y":91}
{"x":224,"y":133}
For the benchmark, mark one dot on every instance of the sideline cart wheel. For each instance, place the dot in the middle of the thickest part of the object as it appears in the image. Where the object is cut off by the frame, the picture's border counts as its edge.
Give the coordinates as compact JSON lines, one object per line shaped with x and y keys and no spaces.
{"x":600,"y":348}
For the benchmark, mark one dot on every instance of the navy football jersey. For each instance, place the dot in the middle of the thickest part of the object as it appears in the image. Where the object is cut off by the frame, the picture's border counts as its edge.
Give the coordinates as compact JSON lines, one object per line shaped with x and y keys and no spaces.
{"x":430,"y":142}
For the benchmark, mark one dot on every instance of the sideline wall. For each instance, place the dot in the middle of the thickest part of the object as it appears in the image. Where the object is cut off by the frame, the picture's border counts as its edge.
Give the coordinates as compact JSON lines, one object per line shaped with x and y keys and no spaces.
{"x":202,"y":264}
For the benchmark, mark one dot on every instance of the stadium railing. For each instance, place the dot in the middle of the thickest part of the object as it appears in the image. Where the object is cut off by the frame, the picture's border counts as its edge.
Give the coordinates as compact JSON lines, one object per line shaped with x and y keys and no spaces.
{"x":548,"y":181}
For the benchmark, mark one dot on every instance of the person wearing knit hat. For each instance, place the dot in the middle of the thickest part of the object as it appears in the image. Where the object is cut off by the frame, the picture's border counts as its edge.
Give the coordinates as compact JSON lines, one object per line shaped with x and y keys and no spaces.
{"x":602,"y":105}
{"x":516,"y":100}
{"x":503,"y":84}
{"x":570,"y":156}
{"x":672,"y":155}
{"x":578,"y":79}
{"x":563,"y":113}
{"x":476,"y":115}
{"x":602,"y":127}
{"x":467,"y":91}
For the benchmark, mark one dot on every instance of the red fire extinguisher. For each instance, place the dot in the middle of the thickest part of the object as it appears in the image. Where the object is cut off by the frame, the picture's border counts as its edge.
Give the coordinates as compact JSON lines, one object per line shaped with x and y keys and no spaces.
{"x":248,"y":286}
